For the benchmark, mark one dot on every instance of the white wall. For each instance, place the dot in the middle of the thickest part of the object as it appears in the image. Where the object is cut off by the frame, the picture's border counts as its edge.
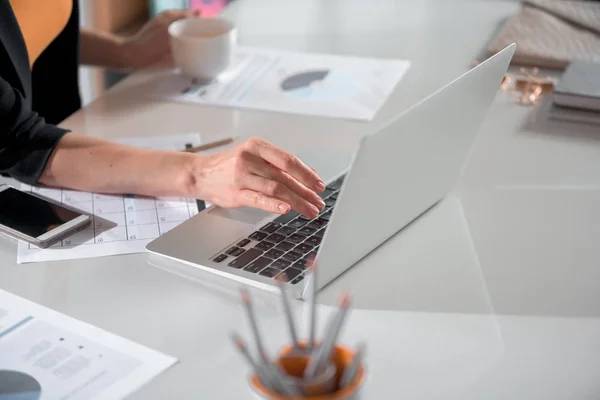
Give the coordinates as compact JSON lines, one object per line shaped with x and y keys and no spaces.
{"x":86,"y":76}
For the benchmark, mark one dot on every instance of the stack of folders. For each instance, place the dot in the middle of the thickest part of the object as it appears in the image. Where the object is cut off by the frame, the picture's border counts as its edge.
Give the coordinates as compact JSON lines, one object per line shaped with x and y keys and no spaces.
{"x":309,"y":369}
{"x":576,"y":97}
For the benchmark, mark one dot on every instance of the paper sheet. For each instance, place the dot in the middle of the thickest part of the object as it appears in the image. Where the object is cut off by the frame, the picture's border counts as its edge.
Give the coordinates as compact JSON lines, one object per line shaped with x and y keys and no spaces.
{"x":48,"y":355}
{"x":294,"y":82}
{"x":122,"y":224}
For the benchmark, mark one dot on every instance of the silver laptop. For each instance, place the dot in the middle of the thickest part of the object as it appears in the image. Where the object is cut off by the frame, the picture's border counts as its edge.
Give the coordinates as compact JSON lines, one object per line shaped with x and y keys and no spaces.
{"x":397,"y":174}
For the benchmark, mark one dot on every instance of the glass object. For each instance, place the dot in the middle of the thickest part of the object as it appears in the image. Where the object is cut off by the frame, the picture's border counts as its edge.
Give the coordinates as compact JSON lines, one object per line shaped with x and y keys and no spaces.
{"x":158,"y":6}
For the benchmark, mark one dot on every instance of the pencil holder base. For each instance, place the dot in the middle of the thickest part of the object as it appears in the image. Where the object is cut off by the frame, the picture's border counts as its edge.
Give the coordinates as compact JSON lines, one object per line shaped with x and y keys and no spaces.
{"x":323,"y":387}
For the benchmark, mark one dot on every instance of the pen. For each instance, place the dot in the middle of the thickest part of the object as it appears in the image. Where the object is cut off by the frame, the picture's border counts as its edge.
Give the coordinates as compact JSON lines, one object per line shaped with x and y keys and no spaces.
{"x":253,"y":325}
{"x":264,"y":376}
{"x":211,"y":145}
{"x":350,"y":371}
{"x":288,"y":311}
{"x":331,"y":334}
{"x":313,"y":308}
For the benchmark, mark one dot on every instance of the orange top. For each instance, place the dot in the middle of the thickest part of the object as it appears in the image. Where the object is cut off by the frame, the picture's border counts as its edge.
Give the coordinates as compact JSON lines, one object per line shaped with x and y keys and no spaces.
{"x":41,"y":21}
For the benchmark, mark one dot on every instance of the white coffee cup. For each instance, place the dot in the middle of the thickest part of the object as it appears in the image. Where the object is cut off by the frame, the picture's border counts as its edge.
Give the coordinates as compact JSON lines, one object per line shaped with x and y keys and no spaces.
{"x":203,"y":47}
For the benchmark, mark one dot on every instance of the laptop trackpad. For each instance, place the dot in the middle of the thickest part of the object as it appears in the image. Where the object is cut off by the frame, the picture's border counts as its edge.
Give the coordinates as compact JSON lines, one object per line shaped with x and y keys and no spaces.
{"x":248,"y":215}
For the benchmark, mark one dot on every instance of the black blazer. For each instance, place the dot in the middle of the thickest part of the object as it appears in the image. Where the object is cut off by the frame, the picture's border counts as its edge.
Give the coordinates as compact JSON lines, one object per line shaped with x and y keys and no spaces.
{"x":31,"y":103}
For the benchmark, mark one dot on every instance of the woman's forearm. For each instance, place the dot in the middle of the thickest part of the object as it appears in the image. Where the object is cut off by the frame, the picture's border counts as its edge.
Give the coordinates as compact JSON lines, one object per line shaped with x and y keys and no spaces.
{"x":91,"y":164}
{"x":252,"y":174}
{"x":102,"y":49}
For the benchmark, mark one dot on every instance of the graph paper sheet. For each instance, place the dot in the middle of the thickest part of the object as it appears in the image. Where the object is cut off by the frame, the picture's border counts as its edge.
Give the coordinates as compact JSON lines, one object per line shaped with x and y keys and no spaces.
{"x":122,"y":224}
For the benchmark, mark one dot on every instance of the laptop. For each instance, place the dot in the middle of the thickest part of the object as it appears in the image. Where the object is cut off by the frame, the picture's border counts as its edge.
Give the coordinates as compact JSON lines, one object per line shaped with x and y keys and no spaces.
{"x":397,"y":173}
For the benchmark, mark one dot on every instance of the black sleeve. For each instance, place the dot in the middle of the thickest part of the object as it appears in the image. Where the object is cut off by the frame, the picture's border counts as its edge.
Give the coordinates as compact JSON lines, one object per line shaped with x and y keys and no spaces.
{"x":26,"y":140}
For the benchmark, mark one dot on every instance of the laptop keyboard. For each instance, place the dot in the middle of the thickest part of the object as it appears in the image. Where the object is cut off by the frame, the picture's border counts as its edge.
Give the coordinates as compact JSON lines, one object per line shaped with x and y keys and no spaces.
{"x":285,"y":245}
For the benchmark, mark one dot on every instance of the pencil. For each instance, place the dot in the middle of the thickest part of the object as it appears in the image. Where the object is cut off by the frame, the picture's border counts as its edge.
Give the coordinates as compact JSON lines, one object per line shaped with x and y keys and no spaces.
{"x":313,"y":307}
{"x":211,"y":145}
{"x":331,"y":333}
{"x":253,"y":325}
{"x":278,"y":377}
{"x":264,"y":376}
{"x":350,"y":371}
{"x":288,"y":311}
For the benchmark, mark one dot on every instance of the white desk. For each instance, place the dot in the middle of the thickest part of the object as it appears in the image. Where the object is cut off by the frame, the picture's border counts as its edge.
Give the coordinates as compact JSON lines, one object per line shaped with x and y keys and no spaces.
{"x":516,"y":243}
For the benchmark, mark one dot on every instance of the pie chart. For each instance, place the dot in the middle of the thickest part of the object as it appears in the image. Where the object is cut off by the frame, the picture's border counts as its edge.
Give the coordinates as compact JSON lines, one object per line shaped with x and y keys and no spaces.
{"x":16,"y":385}
{"x":320,"y":85}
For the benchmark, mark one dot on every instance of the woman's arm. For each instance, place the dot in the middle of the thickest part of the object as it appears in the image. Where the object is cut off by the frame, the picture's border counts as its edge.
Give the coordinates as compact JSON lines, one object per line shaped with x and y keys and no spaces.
{"x":148,"y":46}
{"x":91,"y":164}
{"x":255,"y":174}
{"x":26,"y":140}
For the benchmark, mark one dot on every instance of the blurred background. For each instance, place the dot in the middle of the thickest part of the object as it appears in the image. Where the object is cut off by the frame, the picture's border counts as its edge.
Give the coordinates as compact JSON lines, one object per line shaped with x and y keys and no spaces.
{"x":126,"y":17}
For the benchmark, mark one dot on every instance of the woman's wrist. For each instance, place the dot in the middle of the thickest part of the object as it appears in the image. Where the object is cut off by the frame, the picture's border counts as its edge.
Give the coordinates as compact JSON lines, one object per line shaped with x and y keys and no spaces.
{"x":192,"y":172}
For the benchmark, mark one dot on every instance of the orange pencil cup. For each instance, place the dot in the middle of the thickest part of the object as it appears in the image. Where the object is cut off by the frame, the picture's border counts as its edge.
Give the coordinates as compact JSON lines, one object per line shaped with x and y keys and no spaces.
{"x":324,"y":386}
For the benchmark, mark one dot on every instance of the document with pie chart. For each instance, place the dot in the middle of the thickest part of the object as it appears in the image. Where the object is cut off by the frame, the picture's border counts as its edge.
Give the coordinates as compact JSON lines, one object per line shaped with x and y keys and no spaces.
{"x":45,"y":355}
{"x":293,"y":82}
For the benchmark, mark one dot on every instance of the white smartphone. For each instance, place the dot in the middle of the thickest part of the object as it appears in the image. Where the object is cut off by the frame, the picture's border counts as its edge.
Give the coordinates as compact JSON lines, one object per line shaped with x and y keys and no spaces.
{"x":36,"y":220}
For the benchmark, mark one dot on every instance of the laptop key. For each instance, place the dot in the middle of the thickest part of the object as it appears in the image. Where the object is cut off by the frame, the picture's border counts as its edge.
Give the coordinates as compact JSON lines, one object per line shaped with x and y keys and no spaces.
{"x":281,"y":264}
{"x":306,"y":231}
{"x":325,"y":193}
{"x":274,"y":253}
{"x":285,"y":218}
{"x":258,"y":236}
{"x":334,"y":196}
{"x":301,"y":264}
{"x":292,"y":256}
{"x":238,"y":252}
{"x":245,"y":258}
{"x":243,"y":242}
{"x":297,"y":223}
{"x":269,"y":272}
{"x":264,"y":246}
{"x":232,"y":250}
{"x":296,"y":238}
{"x":337,"y":184}
{"x":318,"y":223}
{"x":220,"y":258}
{"x":320,"y":233}
{"x":285,"y":246}
{"x":314,"y":240}
{"x":297,"y":280}
{"x":258,"y":264}
{"x":330,"y":202}
{"x":303,"y":248}
{"x":291,"y":273}
{"x":326,"y":216}
{"x":270,"y":227}
{"x":275,"y":238}
{"x":286,"y":230}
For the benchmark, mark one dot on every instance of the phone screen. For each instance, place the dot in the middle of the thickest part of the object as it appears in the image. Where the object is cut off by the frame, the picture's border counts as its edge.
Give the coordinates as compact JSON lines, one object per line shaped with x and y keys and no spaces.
{"x":31,"y":215}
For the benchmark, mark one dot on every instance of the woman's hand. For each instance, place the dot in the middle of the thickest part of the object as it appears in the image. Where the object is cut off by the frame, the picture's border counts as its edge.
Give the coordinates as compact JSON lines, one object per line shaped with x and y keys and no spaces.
{"x":254,"y":174}
{"x":260,"y":175}
{"x":151,"y":44}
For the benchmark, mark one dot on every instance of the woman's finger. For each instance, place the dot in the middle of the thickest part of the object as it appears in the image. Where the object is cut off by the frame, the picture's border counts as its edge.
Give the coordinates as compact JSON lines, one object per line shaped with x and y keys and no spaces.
{"x":277,"y":190}
{"x":251,"y":198}
{"x":268,"y":171}
{"x":287,"y":163}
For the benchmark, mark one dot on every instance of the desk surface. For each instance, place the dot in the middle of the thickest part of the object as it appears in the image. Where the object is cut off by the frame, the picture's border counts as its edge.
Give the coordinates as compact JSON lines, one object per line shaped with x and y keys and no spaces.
{"x":515,"y":242}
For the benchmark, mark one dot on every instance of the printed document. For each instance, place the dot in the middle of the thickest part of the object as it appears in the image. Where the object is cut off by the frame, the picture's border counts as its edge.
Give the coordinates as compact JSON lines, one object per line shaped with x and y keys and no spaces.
{"x":47,"y":355}
{"x":293,"y":82}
